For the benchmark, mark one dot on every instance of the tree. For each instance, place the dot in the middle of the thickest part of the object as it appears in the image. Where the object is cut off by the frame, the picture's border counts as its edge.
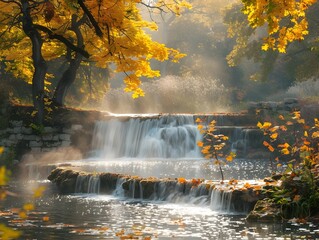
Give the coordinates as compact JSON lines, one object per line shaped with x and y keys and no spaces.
{"x":281,"y":70}
{"x":105,"y":32}
{"x":286,"y":21}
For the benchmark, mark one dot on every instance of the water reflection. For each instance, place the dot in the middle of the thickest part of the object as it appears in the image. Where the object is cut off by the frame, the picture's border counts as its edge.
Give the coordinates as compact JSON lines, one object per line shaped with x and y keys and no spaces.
{"x":107,"y":217}
{"x":241,"y":169}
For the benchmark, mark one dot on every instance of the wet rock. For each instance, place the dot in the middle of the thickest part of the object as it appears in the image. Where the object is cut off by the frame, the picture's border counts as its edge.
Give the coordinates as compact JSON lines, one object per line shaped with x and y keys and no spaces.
{"x":65,"y":179}
{"x":265,"y":210}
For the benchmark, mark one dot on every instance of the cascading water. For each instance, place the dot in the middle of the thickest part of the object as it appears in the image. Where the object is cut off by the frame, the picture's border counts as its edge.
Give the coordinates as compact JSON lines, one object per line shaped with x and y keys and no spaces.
{"x":165,"y":137}
{"x":146,"y":145}
{"x":87,"y":184}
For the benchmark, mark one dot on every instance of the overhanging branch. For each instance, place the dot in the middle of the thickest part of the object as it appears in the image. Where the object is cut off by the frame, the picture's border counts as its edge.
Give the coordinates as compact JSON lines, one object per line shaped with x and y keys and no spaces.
{"x":98,"y":30}
{"x":62,"y":39}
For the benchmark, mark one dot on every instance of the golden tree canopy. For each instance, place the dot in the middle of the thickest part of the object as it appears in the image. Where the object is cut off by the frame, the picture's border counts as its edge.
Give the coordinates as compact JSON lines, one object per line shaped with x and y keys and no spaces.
{"x":118,"y":35}
{"x":286,"y":20}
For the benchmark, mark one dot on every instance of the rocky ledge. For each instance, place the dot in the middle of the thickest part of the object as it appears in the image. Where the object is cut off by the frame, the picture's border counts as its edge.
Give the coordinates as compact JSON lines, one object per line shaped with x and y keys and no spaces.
{"x":229,"y":195}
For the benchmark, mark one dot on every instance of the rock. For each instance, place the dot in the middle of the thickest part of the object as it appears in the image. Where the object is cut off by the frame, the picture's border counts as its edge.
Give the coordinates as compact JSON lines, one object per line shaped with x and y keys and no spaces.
{"x":76,"y":127}
{"x":34,"y":144}
{"x":65,"y":137}
{"x":240,"y":200}
{"x":265,"y":210}
{"x":290,"y":100}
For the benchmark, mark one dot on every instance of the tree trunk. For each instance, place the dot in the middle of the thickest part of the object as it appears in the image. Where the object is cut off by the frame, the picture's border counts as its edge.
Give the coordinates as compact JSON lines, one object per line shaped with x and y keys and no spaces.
{"x":40,"y":65}
{"x":66,"y":81}
{"x":69,"y":75}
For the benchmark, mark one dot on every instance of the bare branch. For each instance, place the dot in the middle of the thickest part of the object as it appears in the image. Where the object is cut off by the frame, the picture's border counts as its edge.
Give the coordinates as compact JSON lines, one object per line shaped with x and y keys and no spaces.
{"x":62,"y":39}
{"x":153,"y":7}
{"x":98,"y":30}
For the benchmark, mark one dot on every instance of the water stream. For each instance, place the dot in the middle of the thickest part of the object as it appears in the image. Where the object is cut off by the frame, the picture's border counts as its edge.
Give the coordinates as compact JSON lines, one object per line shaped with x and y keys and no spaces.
{"x":160,"y":147}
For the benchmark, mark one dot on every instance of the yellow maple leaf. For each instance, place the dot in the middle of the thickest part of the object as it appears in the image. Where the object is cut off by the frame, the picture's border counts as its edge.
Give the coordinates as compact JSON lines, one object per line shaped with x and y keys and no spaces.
{"x":38,"y":192}
{"x":274,"y":136}
{"x":229,"y":158}
{"x":28,"y":207}
{"x":285,"y":151}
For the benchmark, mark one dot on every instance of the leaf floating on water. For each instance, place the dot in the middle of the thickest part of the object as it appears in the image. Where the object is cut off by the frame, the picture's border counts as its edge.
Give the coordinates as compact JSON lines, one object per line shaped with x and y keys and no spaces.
{"x":38,"y":192}
{"x":28,"y":207}
{"x":23,"y":215}
{"x":7,"y":233}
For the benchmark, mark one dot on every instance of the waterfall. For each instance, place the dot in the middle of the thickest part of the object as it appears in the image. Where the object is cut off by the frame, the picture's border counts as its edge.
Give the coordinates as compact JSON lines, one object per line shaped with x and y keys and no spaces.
{"x":220,"y":200}
{"x":163,"y":137}
{"x":173,"y":192}
{"x":87,"y":184}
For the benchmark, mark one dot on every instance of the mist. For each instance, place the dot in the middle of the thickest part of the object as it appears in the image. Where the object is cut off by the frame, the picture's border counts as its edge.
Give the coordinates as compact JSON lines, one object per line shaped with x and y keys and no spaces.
{"x":203,"y":81}
{"x":172,"y":94}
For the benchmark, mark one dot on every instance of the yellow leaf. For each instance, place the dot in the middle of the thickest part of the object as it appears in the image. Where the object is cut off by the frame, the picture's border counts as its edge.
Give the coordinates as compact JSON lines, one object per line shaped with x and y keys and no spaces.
{"x":315,"y":134}
{"x":225,"y":138}
{"x":270,"y":148}
{"x":266,"y":125}
{"x":281,"y":117}
{"x":28,"y":207}
{"x":181,"y":180}
{"x":23,"y":214}
{"x":305,"y":134}
{"x":8,"y":233}
{"x":285,"y":151}
{"x":38,"y":192}
{"x":229,"y":158}
{"x":285,"y":145}
{"x":265,"y":47}
{"x":45,"y":219}
{"x":266,"y":144}
{"x":274,"y":129}
{"x":200,"y":144}
{"x":34,"y":113}
{"x":274,"y":136}
{"x":1,"y":149}
{"x":198,"y":120}
{"x":304,"y":148}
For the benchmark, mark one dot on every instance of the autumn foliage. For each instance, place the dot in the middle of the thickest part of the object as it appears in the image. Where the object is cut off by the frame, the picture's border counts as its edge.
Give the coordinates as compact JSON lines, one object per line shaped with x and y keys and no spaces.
{"x":295,"y":143}
{"x":286,"y":21}
{"x":213,"y":144}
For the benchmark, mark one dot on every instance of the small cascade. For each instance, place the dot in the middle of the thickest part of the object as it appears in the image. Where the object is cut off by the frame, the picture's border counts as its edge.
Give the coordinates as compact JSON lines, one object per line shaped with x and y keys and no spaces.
{"x":87,"y":184}
{"x":240,"y":140}
{"x":163,"y":137}
{"x":94,"y":185}
{"x":221,"y":200}
{"x":218,"y":196}
{"x":119,"y":190}
{"x":174,"y":192}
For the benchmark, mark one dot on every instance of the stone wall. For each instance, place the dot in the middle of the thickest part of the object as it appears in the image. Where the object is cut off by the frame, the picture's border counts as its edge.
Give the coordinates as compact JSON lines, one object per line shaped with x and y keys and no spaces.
{"x":37,"y":140}
{"x":68,"y":129}
{"x":287,"y":105}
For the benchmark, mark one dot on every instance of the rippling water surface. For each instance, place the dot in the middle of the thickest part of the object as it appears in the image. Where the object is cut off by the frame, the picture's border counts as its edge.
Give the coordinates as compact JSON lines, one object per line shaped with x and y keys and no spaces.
{"x":108,"y":217}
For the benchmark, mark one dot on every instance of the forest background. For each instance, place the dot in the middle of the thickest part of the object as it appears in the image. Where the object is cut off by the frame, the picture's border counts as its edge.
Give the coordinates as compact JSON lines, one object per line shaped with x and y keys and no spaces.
{"x":224,"y":68}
